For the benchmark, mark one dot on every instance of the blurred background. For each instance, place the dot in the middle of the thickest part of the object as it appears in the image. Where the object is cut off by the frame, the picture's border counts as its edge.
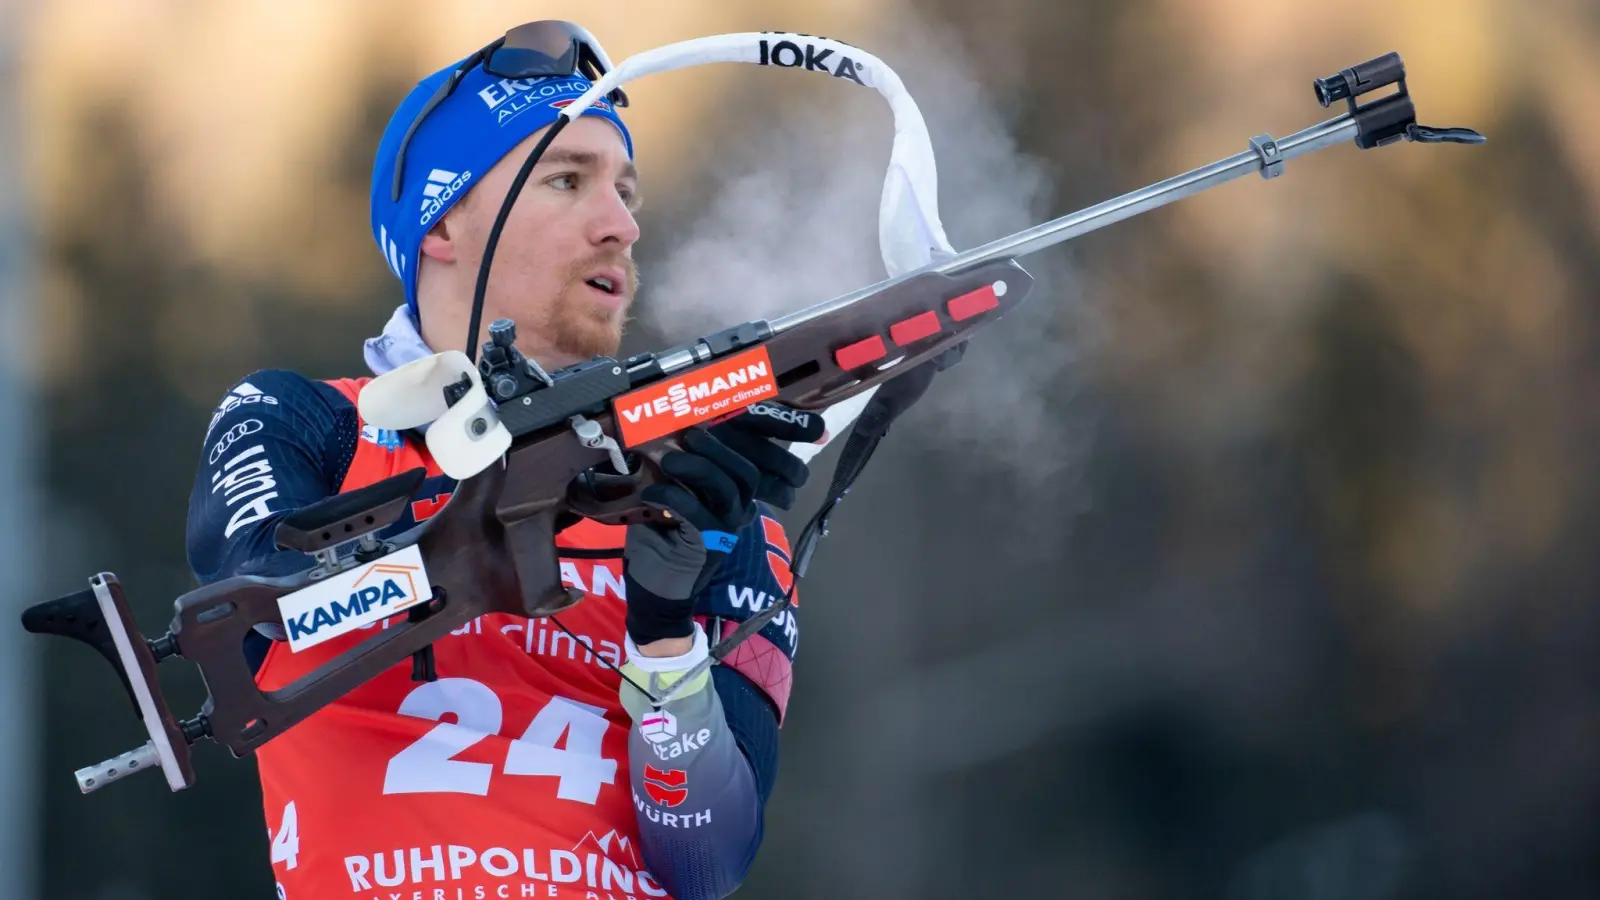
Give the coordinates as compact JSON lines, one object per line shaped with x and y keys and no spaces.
{"x":1253,"y":558}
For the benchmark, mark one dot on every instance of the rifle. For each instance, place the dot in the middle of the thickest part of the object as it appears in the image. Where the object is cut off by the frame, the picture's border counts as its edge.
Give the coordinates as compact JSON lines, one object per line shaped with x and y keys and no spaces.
{"x":530,"y":448}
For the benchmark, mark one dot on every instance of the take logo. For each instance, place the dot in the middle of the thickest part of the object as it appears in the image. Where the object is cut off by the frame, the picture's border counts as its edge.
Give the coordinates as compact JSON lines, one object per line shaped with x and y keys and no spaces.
{"x":659,"y":726}
{"x":668,"y":787}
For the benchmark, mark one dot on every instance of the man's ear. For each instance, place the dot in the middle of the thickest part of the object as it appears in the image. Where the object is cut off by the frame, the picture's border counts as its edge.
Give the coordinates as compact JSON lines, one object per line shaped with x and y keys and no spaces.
{"x":440,"y":243}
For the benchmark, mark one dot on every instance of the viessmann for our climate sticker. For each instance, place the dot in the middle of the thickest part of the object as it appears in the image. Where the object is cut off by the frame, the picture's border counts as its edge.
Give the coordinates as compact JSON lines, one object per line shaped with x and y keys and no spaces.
{"x":696,"y":396}
{"x":349,"y":600}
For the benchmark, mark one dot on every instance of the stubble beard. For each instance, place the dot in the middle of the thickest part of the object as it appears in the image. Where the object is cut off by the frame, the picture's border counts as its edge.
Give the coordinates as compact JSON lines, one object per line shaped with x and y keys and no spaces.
{"x":582,"y":328}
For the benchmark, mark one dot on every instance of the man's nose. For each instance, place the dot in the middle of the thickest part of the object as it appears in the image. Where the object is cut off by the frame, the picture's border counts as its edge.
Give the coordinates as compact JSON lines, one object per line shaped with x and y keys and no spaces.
{"x":613,"y":223}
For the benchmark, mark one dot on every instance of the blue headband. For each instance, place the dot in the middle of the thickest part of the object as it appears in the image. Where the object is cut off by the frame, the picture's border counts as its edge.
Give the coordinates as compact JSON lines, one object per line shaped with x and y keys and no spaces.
{"x":460,"y":140}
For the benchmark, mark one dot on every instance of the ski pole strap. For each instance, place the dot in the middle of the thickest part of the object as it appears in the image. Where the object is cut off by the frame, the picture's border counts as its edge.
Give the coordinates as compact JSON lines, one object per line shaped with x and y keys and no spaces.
{"x":865,"y":433}
{"x":888,"y":402}
{"x":893,"y":398}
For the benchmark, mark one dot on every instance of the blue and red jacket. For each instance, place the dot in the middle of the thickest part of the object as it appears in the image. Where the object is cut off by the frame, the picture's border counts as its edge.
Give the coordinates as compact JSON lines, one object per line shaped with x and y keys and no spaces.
{"x":510,"y":775}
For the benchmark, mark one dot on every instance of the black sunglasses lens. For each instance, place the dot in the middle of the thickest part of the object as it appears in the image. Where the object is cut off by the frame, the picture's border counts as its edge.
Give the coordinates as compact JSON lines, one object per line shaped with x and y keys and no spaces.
{"x":545,"y":49}
{"x":536,"y":50}
{"x":522,"y":62}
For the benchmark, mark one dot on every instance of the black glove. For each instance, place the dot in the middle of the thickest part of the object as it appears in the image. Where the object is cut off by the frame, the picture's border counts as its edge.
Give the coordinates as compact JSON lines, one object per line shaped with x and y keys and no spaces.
{"x":715,"y":480}
{"x":709,"y":500}
{"x":751,"y":435}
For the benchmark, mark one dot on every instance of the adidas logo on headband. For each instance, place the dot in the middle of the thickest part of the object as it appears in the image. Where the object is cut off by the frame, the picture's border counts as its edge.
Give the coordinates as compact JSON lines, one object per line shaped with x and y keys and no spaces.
{"x":440,"y":188}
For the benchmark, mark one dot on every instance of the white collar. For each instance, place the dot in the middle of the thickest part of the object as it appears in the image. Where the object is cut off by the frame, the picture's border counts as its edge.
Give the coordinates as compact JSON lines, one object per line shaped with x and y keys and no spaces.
{"x":399,"y":344}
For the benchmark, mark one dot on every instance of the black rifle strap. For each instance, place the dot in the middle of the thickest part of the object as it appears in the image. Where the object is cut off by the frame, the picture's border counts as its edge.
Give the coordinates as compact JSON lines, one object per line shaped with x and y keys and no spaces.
{"x":891,"y":399}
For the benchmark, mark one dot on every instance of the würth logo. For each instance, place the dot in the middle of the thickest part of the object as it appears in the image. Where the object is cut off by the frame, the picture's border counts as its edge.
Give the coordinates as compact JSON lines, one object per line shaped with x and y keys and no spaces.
{"x":668,"y":787}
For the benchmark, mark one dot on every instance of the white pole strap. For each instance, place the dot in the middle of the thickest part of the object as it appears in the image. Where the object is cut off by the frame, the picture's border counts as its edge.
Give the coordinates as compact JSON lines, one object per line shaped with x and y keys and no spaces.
{"x":909,"y":229}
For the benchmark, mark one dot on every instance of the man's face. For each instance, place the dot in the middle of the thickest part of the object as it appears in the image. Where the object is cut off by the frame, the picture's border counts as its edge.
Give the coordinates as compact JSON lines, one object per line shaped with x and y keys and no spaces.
{"x":563,"y":267}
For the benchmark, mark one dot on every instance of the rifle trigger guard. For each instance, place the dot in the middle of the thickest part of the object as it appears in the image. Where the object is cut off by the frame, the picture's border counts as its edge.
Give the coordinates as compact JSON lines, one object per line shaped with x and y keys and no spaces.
{"x":593,"y":437}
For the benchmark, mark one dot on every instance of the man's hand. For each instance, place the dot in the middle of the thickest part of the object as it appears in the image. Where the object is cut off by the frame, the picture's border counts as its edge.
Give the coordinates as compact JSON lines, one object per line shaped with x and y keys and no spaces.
{"x":715,"y":481}
{"x":752,"y":434}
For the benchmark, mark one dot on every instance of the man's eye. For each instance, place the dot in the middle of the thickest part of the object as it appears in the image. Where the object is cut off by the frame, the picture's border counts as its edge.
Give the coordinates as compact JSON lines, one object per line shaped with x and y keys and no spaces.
{"x":564,"y":182}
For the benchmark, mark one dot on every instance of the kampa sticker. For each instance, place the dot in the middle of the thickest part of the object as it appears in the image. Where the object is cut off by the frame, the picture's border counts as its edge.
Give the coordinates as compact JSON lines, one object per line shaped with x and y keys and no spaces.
{"x":354,"y":599}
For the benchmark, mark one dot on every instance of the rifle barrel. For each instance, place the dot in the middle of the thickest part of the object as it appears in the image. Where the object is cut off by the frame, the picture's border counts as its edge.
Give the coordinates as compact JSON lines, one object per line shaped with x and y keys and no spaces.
{"x":1317,"y":137}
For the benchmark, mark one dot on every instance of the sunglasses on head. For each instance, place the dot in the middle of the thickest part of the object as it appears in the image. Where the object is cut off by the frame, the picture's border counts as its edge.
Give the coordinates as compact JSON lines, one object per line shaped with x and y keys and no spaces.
{"x":543,"y":49}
